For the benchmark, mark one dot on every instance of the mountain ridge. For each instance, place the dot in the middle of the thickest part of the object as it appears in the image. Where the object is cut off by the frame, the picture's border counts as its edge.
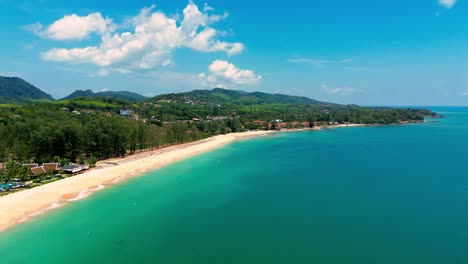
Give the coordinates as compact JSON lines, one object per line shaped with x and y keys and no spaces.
{"x":17,"y":89}
{"x":124,"y":95}
{"x":221,"y":95}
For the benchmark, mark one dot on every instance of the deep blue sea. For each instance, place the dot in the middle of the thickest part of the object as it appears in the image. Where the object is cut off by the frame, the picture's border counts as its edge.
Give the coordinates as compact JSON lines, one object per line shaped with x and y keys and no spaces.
{"x":384,"y":194}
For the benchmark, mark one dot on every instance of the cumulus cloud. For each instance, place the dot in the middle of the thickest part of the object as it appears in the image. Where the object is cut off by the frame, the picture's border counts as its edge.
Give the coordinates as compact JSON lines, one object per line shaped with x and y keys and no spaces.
{"x":150,"y":44}
{"x":345,"y":90}
{"x":73,"y":27}
{"x":447,"y":3}
{"x":225,"y":75}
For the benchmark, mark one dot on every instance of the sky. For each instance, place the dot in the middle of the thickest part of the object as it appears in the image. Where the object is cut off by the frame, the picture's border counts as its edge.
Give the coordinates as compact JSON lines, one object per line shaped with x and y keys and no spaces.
{"x":354,"y":52}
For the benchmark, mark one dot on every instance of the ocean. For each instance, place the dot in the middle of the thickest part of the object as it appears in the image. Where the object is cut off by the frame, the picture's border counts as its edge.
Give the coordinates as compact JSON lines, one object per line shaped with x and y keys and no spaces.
{"x":382,"y":194}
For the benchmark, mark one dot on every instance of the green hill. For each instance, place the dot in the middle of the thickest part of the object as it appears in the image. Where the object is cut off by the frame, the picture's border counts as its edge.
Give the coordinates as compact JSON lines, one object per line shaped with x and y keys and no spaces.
{"x":123,"y":95}
{"x":222,"y":96}
{"x":17,"y":89}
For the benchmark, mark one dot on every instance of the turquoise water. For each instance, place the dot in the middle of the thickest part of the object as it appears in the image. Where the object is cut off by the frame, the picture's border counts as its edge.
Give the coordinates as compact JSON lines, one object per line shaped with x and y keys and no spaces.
{"x":390,"y":194}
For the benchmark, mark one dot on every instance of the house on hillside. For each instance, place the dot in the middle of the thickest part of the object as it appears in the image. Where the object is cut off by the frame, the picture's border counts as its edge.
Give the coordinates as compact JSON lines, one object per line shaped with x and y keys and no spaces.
{"x":125,"y":112}
{"x":220,"y":118}
{"x":281,"y":125}
{"x":258,"y":122}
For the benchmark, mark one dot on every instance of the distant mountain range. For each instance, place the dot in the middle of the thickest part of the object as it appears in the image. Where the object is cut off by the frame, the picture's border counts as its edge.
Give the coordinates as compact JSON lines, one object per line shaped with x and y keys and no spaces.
{"x":14,"y":89}
{"x":124,"y":95}
{"x":222,"y":96}
{"x":17,"y":89}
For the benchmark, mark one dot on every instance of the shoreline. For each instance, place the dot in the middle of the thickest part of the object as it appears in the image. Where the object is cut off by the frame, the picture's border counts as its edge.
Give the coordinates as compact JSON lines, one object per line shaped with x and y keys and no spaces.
{"x":24,"y":205}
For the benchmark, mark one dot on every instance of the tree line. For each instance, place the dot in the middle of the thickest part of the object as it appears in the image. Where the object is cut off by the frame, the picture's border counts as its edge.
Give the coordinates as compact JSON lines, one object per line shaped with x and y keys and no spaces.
{"x":68,"y":137}
{"x":51,"y":132}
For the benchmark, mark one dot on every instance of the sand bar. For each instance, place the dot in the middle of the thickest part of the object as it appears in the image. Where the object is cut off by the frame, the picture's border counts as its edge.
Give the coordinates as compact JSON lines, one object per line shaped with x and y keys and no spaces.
{"x":23,"y":205}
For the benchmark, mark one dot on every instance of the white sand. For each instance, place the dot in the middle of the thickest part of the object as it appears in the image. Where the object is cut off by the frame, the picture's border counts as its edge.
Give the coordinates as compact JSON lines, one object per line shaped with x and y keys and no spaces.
{"x":23,"y":205}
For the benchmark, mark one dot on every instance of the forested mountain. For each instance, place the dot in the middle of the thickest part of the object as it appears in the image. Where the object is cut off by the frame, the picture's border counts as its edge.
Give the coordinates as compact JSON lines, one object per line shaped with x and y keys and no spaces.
{"x":124,"y":95}
{"x":223,"y":96}
{"x":80,"y":93}
{"x":17,"y":89}
{"x":247,"y":107}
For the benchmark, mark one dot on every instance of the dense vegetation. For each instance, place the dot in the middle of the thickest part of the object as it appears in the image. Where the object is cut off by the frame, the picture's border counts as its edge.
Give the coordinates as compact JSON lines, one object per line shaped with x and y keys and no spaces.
{"x":43,"y":133}
{"x":90,"y":129}
{"x":262,"y":106}
{"x":224,"y":96}
{"x":123,"y":95}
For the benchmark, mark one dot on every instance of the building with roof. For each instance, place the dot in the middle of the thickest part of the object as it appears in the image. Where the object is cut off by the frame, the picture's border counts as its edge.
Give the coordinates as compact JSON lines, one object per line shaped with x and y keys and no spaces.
{"x":38,"y":171}
{"x":50,"y":166}
{"x":75,"y":169}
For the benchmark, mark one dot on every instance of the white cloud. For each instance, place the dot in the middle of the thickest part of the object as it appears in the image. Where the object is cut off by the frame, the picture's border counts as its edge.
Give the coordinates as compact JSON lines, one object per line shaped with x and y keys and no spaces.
{"x":447,"y":3}
{"x":344,"y":64}
{"x":151,"y":43}
{"x":319,"y":62}
{"x":207,"y":8}
{"x":345,"y":90}
{"x":205,"y":41}
{"x":464,"y":93}
{"x":315,"y":62}
{"x":31,"y":46}
{"x":122,"y":71}
{"x":10,"y":74}
{"x":73,"y":27}
{"x":34,"y":28}
{"x":102,"y":72}
{"x":225,"y":75}
{"x":217,"y":18}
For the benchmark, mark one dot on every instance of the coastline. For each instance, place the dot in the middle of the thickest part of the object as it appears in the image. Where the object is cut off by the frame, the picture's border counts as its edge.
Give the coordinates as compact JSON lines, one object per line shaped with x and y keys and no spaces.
{"x":22,"y":206}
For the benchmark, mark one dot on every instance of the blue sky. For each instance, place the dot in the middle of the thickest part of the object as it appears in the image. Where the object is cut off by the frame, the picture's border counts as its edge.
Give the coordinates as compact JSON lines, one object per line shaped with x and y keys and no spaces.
{"x":364,"y":52}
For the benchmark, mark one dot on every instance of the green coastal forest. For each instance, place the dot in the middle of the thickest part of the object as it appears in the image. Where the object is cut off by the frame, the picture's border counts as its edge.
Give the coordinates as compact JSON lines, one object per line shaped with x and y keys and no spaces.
{"x":91,"y":128}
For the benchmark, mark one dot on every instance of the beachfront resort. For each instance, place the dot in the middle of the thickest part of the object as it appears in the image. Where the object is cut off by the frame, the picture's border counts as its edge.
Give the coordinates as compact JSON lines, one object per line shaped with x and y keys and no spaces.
{"x":30,"y":175}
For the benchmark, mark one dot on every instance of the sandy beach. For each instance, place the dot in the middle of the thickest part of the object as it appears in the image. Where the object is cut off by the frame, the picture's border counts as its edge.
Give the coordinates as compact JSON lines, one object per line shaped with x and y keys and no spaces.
{"x":22,"y":206}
